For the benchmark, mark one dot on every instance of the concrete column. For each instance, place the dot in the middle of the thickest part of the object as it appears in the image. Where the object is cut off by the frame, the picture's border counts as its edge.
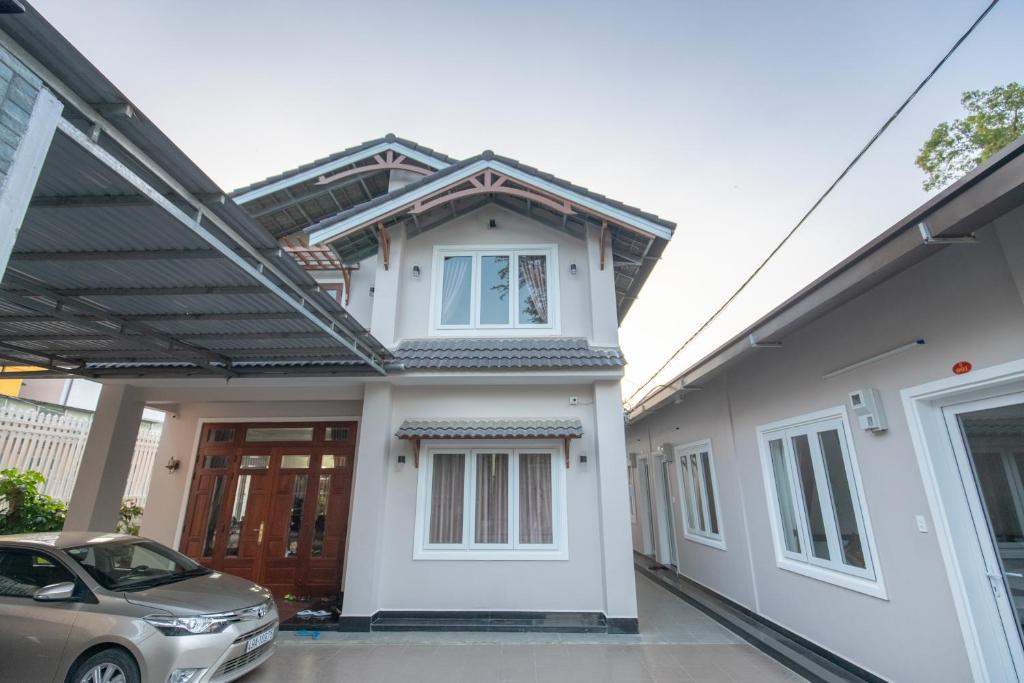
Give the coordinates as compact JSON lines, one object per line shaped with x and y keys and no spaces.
{"x":603,"y":311}
{"x":613,"y":492}
{"x":383,"y":319}
{"x":102,"y":476}
{"x":18,"y":180}
{"x":369,"y":493}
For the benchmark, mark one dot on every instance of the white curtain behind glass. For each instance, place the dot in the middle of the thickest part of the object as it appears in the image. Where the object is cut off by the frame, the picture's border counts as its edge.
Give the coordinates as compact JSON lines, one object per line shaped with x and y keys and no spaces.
{"x":455,"y":290}
{"x":535,"y":499}
{"x":446,"y":500}
{"x":491,"y":515}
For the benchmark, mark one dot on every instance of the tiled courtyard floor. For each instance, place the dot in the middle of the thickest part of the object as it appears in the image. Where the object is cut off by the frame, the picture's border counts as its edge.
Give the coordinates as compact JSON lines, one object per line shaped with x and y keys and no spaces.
{"x":677,"y":643}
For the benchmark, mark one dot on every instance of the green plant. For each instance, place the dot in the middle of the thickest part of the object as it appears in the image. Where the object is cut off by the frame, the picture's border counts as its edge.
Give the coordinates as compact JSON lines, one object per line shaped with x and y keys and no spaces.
{"x":24,"y":508}
{"x":995,"y":118}
{"x":131,"y":513}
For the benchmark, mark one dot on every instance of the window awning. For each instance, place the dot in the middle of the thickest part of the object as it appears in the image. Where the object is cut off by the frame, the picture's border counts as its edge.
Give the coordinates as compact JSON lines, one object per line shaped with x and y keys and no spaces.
{"x":416,"y":430}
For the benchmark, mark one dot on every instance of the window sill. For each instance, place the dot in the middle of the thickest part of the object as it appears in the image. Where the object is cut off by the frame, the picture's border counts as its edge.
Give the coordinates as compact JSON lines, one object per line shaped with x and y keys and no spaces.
{"x":857,"y":584}
{"x":485,"y":332}
{"x":717,"y":544}
{"x":491,"y":555}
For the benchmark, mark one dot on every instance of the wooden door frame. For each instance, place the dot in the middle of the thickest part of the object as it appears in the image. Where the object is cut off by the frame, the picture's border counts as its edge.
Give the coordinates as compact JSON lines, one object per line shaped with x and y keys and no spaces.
{"x":198,"y":435}
{"x":273,"y":448}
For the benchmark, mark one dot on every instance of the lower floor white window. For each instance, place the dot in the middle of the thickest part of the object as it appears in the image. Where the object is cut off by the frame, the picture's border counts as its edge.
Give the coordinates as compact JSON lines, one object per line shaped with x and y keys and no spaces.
{"x":813,"y":486}
{"x":701,"y":512}
{"x":491,"y":502}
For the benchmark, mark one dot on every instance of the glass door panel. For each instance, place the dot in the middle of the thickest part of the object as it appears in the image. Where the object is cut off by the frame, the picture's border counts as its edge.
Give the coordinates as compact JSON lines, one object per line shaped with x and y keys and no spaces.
{"x":994,"y":440}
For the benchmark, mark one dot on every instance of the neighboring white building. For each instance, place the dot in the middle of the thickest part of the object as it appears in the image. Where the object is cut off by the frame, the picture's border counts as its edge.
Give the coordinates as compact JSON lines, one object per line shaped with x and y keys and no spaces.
{"x":432,"y":424}
{"x":851,"y":466}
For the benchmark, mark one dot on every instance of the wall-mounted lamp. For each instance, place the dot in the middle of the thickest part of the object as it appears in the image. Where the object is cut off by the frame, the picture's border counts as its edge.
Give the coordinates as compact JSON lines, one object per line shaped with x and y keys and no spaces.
{"x":572,"y":269}
{"x":492,"y":223}
{"x":401,"y":460}
{"x":583,"y":458}
{"x":416,"y":272}
{"x":172,"y":465}
{"x":371,"y":292}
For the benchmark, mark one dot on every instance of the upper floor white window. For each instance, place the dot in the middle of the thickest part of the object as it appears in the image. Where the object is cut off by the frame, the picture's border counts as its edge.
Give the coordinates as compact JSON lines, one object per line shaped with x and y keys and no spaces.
{"x":702,"y":516}
{"x":495,"y":288}
{"x":819,"y":519}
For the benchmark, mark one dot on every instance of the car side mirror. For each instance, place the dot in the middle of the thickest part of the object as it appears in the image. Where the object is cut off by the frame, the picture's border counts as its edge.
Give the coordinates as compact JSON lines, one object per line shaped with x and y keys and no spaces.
{"x":55,"y":592}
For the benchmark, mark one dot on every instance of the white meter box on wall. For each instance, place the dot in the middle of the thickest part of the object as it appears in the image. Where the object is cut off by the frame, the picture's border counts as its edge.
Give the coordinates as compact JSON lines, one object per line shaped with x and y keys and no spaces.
{"x":867,"y":406}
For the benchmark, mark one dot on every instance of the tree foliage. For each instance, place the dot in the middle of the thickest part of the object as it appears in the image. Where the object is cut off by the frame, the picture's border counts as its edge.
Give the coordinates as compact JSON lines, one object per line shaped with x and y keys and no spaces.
{"x":994,"y":119}
{"x":24,"y":508}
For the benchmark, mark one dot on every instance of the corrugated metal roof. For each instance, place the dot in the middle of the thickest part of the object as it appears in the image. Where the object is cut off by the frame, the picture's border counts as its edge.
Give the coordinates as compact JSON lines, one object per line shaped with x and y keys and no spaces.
{"x":498,"y":353}
{"x":503,"y":428}
{"x":96,"y":263}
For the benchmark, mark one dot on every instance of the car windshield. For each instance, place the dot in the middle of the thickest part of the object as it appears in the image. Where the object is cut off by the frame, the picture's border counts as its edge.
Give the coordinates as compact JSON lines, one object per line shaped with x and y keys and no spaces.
{"x":134,"y":565}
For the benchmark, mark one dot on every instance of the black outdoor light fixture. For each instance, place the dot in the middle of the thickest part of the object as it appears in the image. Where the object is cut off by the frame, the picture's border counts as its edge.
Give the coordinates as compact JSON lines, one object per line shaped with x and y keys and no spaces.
{"x":416,"y":272}
{"x":492,"y":223}
{"x":572,"y":269}
{"x":172,"y":465}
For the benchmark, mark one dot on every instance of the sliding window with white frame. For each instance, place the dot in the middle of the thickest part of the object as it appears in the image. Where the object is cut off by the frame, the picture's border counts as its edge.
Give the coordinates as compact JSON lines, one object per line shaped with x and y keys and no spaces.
{"x":494,"y":288}
{"x":702,"y":517}
{"x":491,"y":502}
{"x":820,"y":522}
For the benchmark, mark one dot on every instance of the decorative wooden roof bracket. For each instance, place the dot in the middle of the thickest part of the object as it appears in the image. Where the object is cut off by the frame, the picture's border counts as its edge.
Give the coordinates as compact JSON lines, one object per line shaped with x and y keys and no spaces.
{"x":384,"y":240}
{"x":388,"y":162}
{"x":491,"y":182}
{"x":415,"y":442}
{"x":346,"y":276}
{"x":604,"y":240}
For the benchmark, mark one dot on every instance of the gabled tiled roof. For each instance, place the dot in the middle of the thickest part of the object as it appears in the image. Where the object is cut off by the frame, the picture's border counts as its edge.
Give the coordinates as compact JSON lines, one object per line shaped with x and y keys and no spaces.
{"x":504,"y":428}
{"x":481,"y":354}
{"x":390,"y":137}
{"x":489,"y":155}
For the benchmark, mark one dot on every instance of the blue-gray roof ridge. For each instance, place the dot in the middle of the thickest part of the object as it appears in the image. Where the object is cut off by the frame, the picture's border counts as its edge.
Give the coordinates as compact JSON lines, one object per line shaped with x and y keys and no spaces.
{"x":514,"y":163}
{"x":535,"y":427}
{"x":355,"y":149}
{"x":459,"y":353}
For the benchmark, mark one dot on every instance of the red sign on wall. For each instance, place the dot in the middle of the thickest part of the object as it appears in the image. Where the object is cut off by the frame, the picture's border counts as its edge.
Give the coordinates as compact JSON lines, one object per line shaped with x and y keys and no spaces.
{"x":962,"y":367}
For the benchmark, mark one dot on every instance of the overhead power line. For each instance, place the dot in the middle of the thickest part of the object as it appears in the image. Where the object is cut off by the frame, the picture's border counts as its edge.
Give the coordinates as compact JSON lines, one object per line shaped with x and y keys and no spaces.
{"x":778,"y":247}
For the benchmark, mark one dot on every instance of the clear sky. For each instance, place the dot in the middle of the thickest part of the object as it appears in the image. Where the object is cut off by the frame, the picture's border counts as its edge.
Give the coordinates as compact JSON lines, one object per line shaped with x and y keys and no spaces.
{"x":728,"y":117}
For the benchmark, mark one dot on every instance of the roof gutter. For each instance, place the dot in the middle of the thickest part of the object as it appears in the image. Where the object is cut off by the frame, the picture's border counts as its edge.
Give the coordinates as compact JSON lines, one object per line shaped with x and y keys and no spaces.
{"x":949,"y":218}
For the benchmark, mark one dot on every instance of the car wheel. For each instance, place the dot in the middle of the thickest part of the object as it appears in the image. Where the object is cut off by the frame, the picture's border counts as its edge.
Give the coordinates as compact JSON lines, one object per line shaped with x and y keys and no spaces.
{"x":108,"y":666}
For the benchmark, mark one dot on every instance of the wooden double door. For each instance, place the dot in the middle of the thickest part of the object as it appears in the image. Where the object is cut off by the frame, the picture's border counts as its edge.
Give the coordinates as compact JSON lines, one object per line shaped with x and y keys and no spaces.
{"x":270,"y":503}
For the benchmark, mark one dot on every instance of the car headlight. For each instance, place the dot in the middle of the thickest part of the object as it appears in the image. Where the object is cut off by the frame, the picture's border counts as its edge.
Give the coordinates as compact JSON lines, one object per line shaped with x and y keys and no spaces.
{"x":186,"y":626}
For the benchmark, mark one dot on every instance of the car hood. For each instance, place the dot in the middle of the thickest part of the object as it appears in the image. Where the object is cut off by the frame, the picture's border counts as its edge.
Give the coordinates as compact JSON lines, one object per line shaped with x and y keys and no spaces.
{"x":207,"y":594}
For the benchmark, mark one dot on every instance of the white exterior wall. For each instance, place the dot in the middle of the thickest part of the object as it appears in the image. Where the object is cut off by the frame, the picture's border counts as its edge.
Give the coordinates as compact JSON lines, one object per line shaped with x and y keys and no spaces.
{"x":414,"y":302}
{"x":575,"y":584}
{"x":966,"y":302}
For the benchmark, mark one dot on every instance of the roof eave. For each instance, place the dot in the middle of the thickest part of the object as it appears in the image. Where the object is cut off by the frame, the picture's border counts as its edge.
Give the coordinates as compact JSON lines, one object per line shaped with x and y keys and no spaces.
{"x":359,"y":218}
{"x":969,"y":204}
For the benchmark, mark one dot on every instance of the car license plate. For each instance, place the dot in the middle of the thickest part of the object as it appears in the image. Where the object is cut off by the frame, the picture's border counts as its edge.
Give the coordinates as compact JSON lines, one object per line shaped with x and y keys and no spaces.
{"x":259,"y":641}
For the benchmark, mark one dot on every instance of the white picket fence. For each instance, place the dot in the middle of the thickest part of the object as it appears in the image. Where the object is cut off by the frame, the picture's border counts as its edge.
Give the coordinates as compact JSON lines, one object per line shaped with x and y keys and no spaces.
{"x":52,"y":444}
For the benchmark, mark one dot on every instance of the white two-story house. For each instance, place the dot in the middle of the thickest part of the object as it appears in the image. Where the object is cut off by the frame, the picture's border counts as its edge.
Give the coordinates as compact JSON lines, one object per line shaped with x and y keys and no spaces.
{"x":484,"y":470}
{"x":391,"y":378}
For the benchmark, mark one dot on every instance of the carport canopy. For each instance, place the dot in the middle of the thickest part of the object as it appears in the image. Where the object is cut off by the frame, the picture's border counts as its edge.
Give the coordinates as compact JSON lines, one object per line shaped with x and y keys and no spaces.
{"x":131,"y":262}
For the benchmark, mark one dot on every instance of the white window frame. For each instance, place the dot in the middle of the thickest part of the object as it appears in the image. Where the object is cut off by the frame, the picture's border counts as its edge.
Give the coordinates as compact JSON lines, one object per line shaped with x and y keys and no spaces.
{"x":513,"y":252}
{"x":868,"y":580}
{"x":684,"y":483}
{"x":470,"y":550}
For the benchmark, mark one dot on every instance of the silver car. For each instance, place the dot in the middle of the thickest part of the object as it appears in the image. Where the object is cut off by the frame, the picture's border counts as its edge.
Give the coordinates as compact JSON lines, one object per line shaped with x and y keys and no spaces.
{"x":107,"y":608}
